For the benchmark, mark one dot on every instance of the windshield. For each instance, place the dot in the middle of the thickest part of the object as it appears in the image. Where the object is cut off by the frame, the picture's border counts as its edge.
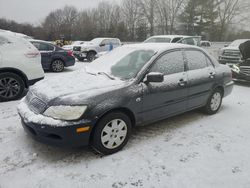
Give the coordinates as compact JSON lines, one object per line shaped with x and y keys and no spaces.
{"x":158,"y":40}
{"x":237,"y":43}
{"x":96,"y":40}
{"x":77,"y":42}
{"x":122,"y":62}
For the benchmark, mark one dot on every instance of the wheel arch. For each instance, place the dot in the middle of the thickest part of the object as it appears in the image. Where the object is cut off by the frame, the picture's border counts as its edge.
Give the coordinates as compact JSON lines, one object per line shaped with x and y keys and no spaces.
{"x":17,"y":72}
{"x":124,"y":110}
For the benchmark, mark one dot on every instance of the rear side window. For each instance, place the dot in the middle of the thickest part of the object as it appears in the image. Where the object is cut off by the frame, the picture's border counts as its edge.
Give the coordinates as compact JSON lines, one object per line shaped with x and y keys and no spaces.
{"x":196,"y":60}
{"x":169,"y":63}
{"x":43,"y":46}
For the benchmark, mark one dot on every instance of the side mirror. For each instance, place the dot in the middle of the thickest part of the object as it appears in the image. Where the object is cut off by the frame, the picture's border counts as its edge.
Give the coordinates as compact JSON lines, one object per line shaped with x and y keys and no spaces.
{"x":154,"y":77}
{"x":226,"y":45}
{"x":102,"y":44}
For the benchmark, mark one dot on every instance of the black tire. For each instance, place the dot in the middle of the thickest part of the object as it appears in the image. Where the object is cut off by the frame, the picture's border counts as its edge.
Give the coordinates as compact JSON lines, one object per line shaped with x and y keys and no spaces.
{"x":57,"y":65}
{"x":98,"y":142}
{"x":91,"y":56}
{"x":11,"y":86}
{"x":214,"y":102}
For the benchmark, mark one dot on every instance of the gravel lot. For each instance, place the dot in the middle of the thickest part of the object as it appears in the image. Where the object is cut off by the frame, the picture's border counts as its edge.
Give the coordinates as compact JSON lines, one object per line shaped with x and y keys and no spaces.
{"x":190,"y":150}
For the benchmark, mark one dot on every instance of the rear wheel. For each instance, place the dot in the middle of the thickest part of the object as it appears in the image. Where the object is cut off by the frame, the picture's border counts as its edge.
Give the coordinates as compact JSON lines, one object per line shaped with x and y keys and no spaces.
{"x":57,"y":65}
{"x":111,"y":133}
{"x":91,"y":56}
{"x":214,"y":102}
{"x":11,"y":86}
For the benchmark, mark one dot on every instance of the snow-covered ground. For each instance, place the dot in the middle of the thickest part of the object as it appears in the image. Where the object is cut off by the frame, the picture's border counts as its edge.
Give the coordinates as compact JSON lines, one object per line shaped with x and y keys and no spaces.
{"x":190,"y":150}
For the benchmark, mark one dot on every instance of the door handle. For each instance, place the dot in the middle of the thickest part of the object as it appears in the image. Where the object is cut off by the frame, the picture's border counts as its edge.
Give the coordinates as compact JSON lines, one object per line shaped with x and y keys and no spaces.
{"x":182,"y":82}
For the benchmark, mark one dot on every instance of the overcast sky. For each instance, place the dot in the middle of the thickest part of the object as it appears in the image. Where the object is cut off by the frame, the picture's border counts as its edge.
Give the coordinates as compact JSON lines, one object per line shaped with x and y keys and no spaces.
{"x":34,"y":11}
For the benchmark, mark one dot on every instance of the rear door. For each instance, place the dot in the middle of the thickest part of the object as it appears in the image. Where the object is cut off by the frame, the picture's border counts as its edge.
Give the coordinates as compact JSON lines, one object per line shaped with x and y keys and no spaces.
{"x":201,"y":77}
{"x":169,"y":97}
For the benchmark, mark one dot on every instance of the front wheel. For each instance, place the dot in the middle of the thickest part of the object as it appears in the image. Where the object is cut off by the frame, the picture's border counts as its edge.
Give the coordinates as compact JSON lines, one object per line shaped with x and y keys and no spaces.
{"x":57,"y":65}
{"x":11,"y":86}
{"x":91,"y":56}
{"x":214,"y":102}
{"x":111,"y":133}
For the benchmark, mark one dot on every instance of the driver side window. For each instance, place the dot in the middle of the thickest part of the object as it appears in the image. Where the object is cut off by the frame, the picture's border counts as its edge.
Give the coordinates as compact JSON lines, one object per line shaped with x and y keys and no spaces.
{"x":169,"y":63}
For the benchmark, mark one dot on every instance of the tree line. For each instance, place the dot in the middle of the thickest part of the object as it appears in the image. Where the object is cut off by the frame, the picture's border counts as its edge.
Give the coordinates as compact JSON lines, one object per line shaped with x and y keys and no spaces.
{"x":135,"y":20}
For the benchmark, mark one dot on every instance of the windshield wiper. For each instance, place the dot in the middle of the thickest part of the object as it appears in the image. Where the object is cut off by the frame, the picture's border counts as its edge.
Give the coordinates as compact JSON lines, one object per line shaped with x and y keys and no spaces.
{"x":106,"y":74}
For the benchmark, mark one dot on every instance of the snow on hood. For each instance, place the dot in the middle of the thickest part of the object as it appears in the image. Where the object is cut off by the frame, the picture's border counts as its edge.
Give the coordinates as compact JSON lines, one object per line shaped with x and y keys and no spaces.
{"x":77,"y":82}
{"x":232,"y":48}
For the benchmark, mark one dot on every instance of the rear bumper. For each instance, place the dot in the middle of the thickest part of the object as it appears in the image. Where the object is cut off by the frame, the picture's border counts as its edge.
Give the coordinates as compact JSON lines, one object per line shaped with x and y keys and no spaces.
{"x":70,"y":62}
{"x":228,"y":88}
{"x":58,"y":136}
{"x":32,"y":82}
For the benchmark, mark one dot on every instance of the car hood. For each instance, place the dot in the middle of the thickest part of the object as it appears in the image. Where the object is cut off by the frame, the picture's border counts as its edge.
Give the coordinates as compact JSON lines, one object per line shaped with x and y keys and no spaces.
{"x":231,"y":48}
{"x":74,"y":84}
{"x":87,"y":45}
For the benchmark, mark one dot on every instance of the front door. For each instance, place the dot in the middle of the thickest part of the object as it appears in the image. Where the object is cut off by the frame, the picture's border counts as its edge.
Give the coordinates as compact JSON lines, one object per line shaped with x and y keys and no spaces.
{"x":161,"y":100}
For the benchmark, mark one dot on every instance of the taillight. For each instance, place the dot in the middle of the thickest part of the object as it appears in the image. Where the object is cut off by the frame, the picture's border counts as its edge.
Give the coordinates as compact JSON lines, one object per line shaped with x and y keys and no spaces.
{"x":70,"y":53}
{"x":32,"y":54}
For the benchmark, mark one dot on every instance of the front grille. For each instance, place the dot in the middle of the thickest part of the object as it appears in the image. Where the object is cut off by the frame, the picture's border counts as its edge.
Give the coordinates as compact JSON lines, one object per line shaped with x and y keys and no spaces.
{"x":245,"y":70}
{"x":77,"y":48}
{"x":35,"y":104}
{"x":230,"y":58}
{"x":232,"y":53}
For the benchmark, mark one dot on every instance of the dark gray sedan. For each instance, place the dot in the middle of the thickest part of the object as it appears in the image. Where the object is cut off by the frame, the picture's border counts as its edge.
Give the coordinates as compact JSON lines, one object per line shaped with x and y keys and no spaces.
{"x":130,"y":86}
{"x":54,"y":58}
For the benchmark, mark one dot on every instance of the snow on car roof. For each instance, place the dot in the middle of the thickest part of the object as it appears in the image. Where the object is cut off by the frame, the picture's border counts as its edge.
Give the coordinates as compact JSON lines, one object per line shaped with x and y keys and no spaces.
{"x":157,"y":47}
{"x":171,"y":36}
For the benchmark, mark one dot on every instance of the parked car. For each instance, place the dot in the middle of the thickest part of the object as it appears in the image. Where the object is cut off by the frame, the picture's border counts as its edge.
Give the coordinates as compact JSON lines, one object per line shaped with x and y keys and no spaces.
{"x":130,"y":86}
{"x":241,"y":71}
{"x":230,"y":54}
{"x":206,"y":44}
{"x":71,"y":46}
{"x":89,"y":50}
{"x":191,"y":40}
{"x":54,"y":58}
{"x":20,"y":66}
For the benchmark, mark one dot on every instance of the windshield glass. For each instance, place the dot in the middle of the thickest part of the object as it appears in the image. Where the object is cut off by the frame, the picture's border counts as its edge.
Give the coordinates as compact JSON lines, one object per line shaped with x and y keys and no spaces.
{"x":158,"y":40}
{"x":237,"y":42}
{"x":122,"y":62}
{"x":96,"y":40}
{"x":77,"y":42}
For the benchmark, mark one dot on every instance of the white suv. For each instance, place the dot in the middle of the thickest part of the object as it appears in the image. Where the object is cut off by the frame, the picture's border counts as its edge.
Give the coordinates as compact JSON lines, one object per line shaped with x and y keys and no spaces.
{"x":20,"y":66}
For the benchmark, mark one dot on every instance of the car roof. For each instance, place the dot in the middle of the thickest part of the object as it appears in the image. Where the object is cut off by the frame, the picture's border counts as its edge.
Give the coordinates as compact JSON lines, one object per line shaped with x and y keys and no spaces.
{"x":158,"y":47}
{"x":171,"y":36}
{"x":36,"y":40}
{"x":105,"y":38}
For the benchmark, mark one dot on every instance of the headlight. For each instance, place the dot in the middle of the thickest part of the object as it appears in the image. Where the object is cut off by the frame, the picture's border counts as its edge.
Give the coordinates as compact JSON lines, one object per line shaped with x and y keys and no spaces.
{"x":65,"y":112}
{"x":235,"y":68}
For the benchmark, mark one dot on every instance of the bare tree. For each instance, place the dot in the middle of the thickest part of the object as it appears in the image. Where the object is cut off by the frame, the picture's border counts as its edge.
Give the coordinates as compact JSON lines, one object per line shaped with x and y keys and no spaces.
{"x":227,"y":10}
{"x":148,"y":8}
{"x":130,"y":11}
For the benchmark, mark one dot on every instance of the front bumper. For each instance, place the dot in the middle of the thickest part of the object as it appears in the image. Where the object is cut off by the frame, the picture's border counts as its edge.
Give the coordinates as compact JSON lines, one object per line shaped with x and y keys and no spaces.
{"x":58,"y":136}
{"x":80,"y":55}
{"x":240,"y":76}
{"x":229,"y":61}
